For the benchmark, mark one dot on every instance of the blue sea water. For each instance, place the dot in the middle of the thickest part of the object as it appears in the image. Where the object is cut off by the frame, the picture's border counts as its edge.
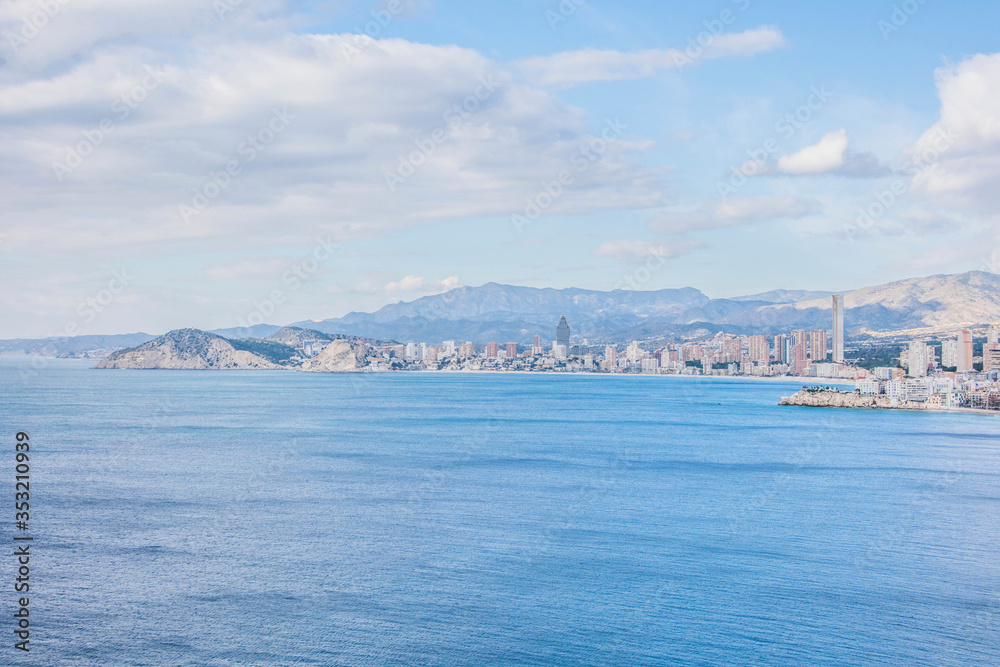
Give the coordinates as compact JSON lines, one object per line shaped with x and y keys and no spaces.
{"x":280,"y":518}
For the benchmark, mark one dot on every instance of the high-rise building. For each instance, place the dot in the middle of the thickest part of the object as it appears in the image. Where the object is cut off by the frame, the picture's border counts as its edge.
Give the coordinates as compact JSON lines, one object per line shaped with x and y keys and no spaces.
{"x":449,"y":348}
{"x":817,"y":345}
{"x":633,"y":353}
{"x":949,"y":353}
{"x":991,"y":350}
{"x":797,"y":359}
{"x":511,"y":350}
{"x":492,"y":349}
{"x":536,"y":347}
{"x":964,"y":360}
{"x":779,"y":349}
{"x":916,"y":361}
{"x":731,"y":349}
{"x":562,"y":332}
{"x":838,"y":328}
{"x":611,"y":356}
{"x":758,"y":349}
{"x":800,"y":341}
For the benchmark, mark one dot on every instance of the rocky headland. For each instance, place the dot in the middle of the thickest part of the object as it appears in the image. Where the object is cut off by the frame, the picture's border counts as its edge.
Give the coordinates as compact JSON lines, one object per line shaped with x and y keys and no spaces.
{"x":188,"y":349}
{"x":831,"y":398}
{"x":290,"y":348}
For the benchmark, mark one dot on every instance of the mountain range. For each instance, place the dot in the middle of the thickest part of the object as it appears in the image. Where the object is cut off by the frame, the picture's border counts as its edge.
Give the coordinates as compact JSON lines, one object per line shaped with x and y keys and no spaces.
{"x":508,"y":313}
{"x":494,"y":312}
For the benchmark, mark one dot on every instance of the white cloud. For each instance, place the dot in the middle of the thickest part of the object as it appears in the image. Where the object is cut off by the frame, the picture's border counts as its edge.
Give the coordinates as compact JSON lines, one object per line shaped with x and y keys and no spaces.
{"x":451,"y":282}
{"x":420,"y":284}
{"x":733,"y":213}
{"x":407,"y":284}
{"x":629,"y":250}
{"x":571,"y":68}
{"x":956,"y":162}
{"x":826,"y":156}
{"x":326,"y":171}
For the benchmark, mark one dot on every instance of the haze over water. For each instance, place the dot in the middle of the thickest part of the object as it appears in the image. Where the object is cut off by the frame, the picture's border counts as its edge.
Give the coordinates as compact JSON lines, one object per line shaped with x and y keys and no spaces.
{"x":261,"y":518}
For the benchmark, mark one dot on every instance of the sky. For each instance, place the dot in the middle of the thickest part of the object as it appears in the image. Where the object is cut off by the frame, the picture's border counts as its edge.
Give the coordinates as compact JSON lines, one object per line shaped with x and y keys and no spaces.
{"x":217,"y":163}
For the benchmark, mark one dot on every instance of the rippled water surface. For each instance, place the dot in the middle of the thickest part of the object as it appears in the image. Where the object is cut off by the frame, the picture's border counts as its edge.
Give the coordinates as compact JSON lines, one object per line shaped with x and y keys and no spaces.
{"x":277,"y":518}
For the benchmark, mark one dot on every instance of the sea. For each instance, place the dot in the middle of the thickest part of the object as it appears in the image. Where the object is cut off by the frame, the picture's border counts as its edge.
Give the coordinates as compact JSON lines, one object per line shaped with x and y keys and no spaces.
{"x":283,"y":518}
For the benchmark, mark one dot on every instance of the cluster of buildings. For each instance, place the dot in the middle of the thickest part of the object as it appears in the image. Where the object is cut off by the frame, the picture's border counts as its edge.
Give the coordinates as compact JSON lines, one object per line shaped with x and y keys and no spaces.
{"x":803,"y":353}
{"x":954,"y":379}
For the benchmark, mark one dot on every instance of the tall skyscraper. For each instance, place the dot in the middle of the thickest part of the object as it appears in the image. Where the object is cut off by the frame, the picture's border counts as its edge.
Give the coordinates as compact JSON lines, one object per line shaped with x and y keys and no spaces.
{"x":964,"y":361}
{"x":799,"y":361}
{"x":758,"y":349}
{"x":991,"y":351}
{"x":492,"y":349}
{"x":817,"y":345}
{"x":779,"y":349}
{"x":511,"y":350}
{"x":799,"y":358}
{"x":949,"y":353}
{"x":917,"y":360}
{"x":562,"y":332}
{"x":838,"y":328}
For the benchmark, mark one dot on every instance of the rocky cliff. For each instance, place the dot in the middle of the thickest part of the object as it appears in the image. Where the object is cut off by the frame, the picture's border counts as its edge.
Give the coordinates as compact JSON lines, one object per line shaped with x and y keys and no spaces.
{"x":188,"y":349}
{"x":340,"y":356}
{"x":840,"y":399}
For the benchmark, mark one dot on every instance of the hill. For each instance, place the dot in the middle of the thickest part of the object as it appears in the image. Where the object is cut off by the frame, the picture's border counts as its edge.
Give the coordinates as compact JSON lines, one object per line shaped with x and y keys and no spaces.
{"x":193,"y":349}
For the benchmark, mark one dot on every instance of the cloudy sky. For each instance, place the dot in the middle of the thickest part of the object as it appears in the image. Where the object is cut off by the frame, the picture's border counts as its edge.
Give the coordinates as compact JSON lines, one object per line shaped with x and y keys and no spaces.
{"x":206,"y":162}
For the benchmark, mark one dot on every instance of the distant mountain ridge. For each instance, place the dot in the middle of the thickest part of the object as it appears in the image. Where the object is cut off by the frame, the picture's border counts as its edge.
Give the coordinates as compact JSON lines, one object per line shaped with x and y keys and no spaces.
{"x":511,"y":313}
{"x":494,"y":312}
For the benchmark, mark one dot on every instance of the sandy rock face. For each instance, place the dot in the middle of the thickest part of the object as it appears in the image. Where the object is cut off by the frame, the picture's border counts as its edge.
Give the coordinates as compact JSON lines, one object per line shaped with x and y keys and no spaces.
{"x":340,"y":356}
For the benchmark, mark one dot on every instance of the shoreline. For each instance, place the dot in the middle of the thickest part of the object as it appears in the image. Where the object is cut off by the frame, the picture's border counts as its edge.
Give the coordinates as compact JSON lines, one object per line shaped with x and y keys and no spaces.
{"x":854,"y":401}
{"x":739,"y":378}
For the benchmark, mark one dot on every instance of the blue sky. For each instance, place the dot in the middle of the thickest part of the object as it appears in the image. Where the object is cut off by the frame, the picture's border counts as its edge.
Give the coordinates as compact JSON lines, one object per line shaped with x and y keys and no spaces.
{"x":320,"y":214}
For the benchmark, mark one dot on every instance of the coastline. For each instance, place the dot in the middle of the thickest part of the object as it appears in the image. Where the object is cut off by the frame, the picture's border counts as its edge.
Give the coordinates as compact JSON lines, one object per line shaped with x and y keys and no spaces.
{"x":853,"y":401}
